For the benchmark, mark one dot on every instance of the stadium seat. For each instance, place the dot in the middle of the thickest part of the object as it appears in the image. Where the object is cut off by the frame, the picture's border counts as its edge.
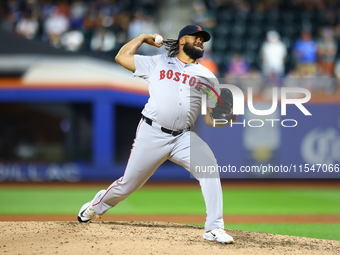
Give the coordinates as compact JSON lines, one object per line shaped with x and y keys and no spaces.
{"x":272,"y":17}
{"x":241,"y":16}
{"x":287,"y":18}
{"x":254,"y":31}
{"x":222,"y":29}
{"x":237,"y":44}
{"x":256,"y":17}
{"x":225,"y":16}
{"x":252,"y":44}
{"x":221,"y":43}
{"x":238,"y":29}
{"x":250,"y":57}
{"x":307,"y":16}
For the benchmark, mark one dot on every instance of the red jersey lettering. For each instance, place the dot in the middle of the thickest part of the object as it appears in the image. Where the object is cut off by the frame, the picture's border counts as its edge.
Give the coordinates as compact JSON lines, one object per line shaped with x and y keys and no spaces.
{"x":186,"y":76}
{"x":192,"y":81}
{"x":162,"y":75}
{"x":177,"y":75}
{"x":169,"y":74}
{"x":199,"y":85}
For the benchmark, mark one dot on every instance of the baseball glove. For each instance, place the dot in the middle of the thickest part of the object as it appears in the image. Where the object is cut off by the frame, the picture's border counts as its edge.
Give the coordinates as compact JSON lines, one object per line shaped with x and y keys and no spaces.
{"x":223,"y":110}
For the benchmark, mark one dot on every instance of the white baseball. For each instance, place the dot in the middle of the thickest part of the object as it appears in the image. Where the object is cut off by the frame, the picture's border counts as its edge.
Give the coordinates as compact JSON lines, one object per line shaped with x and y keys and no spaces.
{"x":158,"y":39}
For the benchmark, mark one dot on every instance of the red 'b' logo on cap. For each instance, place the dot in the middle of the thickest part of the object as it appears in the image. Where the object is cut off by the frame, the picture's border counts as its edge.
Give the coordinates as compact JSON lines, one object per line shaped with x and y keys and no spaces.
{"x":199,"y":28}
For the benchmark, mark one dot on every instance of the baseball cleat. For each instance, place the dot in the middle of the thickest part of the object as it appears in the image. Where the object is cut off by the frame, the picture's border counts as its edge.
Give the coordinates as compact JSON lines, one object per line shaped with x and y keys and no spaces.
{"x":218,"y":235}
{"x":87,"y":212}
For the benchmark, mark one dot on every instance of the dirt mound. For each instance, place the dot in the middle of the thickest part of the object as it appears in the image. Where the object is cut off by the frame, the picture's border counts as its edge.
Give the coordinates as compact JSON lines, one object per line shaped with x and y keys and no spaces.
{"x":147,"y":237}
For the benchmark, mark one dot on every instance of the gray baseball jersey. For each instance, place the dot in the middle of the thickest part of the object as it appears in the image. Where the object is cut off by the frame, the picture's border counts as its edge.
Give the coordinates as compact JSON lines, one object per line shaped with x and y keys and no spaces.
{"x":175,"y":89}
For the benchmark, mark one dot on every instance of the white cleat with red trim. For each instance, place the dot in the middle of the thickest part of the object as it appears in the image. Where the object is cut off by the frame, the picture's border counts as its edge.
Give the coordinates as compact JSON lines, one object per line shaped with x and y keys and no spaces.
{"x":218,"y":235}
{"x":87,"y":212}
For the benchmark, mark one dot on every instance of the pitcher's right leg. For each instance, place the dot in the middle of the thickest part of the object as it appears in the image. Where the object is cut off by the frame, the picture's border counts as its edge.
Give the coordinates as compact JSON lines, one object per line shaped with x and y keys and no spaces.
{"x":140,"y":167}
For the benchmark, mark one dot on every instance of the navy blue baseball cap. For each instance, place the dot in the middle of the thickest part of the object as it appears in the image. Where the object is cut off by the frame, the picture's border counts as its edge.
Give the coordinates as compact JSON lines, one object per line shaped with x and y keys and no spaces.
{"x":194,"y":29}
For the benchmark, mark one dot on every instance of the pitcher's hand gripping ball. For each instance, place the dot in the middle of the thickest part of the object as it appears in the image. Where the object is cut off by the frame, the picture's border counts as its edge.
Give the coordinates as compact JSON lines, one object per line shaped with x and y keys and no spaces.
{"x":158,"y":39}
{"x":223,"y":109}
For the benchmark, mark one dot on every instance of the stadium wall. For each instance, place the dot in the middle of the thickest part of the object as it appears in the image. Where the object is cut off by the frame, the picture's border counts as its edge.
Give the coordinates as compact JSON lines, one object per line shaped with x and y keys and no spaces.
{"x":308,"y":150}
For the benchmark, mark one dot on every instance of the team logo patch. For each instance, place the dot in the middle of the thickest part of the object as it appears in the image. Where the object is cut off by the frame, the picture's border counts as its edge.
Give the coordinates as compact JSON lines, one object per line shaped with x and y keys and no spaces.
{"x":199,"y":28}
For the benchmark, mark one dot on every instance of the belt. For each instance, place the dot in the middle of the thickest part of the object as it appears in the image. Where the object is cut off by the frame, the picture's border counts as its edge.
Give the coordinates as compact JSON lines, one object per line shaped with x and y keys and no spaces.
{"x":165,"y":130}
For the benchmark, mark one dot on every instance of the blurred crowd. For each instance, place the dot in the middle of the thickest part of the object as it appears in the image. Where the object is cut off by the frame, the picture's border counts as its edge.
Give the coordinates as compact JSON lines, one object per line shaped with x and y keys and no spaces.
{"x":314,"y":64}
{"x":309,"y":58}
{"x":103,"y":26}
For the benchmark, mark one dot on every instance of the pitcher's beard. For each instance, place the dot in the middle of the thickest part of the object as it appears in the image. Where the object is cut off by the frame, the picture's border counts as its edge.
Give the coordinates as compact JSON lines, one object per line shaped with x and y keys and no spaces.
{"x":192,"y":52}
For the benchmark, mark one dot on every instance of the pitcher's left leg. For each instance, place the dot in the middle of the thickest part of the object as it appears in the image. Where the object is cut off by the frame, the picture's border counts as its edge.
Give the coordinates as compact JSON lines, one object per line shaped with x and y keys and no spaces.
{"x":192,"y":152}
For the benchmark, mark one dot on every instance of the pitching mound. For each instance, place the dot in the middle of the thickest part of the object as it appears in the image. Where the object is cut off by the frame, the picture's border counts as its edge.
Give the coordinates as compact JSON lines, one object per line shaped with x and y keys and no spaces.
{"x":100,"y":237}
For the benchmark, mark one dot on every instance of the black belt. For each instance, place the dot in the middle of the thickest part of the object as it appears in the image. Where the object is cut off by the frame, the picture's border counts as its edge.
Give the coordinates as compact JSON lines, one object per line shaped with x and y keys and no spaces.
{"x":165,"y":130}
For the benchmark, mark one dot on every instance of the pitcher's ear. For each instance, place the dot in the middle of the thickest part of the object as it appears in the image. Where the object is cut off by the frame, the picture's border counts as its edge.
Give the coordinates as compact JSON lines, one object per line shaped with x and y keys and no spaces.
{"x":181,"y":41}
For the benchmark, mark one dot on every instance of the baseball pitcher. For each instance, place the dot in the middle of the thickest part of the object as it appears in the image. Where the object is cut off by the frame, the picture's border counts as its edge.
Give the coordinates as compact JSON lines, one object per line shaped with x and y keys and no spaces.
{"x":177,"y":84}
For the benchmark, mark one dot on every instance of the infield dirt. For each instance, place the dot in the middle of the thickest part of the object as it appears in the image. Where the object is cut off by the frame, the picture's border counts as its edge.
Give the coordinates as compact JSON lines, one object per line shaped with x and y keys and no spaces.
{"x":145,"y":237}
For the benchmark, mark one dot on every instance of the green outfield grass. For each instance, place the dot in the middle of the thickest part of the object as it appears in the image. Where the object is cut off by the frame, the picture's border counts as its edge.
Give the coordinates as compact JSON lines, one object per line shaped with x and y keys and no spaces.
{"x":307,"y":201}
{"x":173,"y":201}
{"x":320,"y":231}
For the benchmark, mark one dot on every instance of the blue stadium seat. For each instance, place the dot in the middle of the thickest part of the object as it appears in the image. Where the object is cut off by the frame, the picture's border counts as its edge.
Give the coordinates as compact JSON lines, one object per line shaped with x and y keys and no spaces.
{"x":307,"y":16}
{"x":272,"y":17}
{"x":287,"y":18}
{"x":237,"y":44}
{"x":225,"y":15}
{"x":241,"y":16}
{"x":222,"y":29}
{"x":252,"y":44}
{"x":220,"y":43}
{"x":238,"y":29}
{"x":256,"y":17}
{"x":254,"y":30}
{"x":250,"y":57}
